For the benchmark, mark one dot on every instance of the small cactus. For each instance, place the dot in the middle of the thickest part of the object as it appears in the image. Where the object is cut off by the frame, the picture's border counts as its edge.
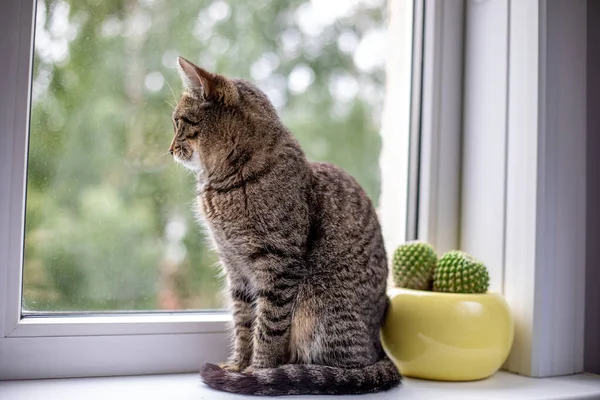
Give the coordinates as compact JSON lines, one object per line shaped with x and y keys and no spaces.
{"x":413,"y":264}
{"x":459,"y":272}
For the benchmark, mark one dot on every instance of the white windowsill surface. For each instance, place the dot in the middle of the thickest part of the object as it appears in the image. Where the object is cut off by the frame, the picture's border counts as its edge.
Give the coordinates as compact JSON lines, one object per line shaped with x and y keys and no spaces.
{"x":188,"y":387}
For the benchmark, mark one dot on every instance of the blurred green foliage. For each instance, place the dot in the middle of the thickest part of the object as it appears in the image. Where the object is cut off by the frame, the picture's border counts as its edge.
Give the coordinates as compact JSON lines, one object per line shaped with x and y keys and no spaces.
{"x":109,"y":222}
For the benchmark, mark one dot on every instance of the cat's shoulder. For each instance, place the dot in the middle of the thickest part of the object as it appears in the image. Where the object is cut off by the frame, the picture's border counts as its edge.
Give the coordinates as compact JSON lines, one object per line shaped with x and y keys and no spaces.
{"x":325,"y":168}
{"x":329,"y":173}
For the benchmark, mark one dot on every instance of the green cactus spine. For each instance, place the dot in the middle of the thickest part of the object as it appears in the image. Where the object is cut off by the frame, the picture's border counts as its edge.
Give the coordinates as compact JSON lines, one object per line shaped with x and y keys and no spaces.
{"x":459,"y":272}
{"x":413,"y":264}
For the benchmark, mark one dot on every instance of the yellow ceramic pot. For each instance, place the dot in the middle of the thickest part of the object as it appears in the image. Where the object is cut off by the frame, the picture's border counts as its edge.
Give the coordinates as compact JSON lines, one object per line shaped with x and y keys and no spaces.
{"x":447,"y":336}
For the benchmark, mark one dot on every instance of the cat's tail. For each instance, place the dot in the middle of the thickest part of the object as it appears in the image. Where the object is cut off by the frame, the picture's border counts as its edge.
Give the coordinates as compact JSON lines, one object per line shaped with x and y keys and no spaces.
{"x":293,"y":379}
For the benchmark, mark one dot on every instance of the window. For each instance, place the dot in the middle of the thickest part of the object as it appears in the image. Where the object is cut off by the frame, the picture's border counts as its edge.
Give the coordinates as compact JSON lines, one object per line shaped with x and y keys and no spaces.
{"x":106,"y":269}
{"x":453,"y":132}
{"x":109,"y":224}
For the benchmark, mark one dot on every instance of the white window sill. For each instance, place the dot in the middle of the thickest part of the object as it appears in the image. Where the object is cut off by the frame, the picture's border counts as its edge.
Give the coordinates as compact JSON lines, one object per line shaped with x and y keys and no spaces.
{"x":188,"y":386}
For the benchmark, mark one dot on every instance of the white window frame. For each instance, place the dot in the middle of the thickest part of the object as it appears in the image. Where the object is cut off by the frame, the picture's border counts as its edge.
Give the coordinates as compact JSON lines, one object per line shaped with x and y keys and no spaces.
{"x":514,"y":164}
{"x":398,"y":127}
{"x":441,"y":124}
{"x":524,"y":171}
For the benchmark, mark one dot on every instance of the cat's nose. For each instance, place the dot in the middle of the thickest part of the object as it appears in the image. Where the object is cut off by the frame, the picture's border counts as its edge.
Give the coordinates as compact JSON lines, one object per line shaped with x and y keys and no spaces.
{"x":172,"y":146}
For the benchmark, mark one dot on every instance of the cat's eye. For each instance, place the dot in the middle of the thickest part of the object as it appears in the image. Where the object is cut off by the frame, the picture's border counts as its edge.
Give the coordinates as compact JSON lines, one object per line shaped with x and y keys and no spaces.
{"x":179,"y":120}
{"x":189,"y":121}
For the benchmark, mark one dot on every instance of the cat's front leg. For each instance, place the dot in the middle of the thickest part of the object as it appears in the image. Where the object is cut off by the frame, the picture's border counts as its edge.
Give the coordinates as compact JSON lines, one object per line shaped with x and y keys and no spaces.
{"x":274,"y":306}
{"x":243,"y":321}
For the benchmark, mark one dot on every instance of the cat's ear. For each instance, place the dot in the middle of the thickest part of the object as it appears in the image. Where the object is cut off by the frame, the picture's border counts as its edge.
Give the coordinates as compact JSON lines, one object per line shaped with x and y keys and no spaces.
{"x":193,"y":77}
{"x":209,"y":85}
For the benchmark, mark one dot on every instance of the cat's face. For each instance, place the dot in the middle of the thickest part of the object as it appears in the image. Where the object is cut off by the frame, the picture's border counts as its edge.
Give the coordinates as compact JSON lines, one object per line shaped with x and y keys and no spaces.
{"x":214,"y":121}
{"x":192,"y":126}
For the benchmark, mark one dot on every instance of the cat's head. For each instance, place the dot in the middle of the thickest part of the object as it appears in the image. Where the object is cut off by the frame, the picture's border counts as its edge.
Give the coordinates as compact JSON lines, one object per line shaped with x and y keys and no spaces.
{"x":216,"y":121}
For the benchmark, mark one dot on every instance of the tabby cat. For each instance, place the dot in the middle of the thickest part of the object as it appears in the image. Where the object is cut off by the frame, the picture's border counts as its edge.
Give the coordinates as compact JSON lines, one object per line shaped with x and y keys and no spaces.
{"x":299,"y":242}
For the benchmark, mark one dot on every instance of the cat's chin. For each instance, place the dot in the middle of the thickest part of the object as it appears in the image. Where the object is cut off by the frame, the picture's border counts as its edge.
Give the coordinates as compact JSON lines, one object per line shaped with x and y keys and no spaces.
{"x":192,"y":163}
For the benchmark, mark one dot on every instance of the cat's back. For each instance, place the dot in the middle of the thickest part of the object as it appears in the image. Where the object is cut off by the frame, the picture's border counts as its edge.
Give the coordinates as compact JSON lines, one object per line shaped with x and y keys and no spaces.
{"x":347,"y":254}
{"x":345,"y":226}
{"x":336,"y":190}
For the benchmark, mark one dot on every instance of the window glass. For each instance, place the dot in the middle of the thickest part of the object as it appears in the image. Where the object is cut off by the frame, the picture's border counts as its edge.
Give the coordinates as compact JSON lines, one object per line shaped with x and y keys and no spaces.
{"x":109,"y":220}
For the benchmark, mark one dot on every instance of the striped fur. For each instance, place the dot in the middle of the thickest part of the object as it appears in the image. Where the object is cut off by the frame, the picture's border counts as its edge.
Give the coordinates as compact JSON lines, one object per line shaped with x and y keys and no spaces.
{"x":297,"y":379}
{"x":300,"y":245}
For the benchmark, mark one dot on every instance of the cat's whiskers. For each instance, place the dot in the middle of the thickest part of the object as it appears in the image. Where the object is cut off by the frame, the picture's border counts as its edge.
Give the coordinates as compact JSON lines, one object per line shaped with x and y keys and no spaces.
{"x":182,"y":167}
{"x":172,"y":92}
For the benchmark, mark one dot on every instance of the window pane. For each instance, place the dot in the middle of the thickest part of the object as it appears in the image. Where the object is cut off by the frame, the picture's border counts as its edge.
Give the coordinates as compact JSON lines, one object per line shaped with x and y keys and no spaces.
{"x":109,"y":222}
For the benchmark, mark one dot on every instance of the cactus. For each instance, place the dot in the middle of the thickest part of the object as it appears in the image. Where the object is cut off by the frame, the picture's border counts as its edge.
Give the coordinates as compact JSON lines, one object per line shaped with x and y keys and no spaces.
{"x":459,"y":272}
{"x":413,"y":264}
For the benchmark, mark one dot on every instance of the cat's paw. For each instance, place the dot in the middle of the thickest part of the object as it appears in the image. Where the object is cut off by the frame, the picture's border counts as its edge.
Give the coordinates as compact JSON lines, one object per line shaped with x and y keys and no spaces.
{"x":260,"y":365}
{"x":249,"y":370}
{"x":232,"y":367}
